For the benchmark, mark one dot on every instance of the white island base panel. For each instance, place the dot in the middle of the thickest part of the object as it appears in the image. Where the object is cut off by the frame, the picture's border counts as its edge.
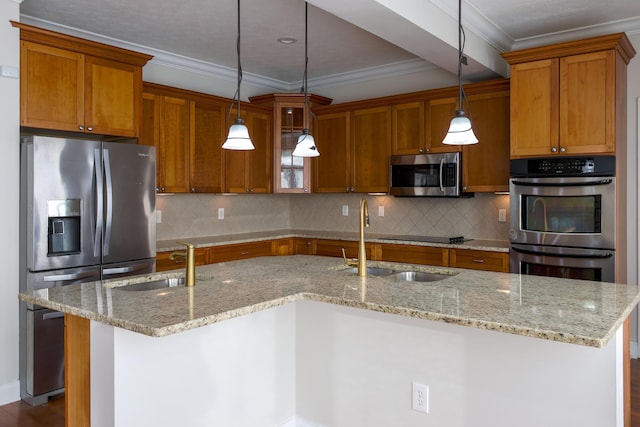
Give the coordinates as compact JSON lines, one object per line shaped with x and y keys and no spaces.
{"x":316,"y":364}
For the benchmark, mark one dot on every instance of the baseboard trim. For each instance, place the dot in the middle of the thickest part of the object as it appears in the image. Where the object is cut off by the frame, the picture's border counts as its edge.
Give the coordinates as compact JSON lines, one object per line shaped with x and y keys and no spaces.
{"x":9,"y":392}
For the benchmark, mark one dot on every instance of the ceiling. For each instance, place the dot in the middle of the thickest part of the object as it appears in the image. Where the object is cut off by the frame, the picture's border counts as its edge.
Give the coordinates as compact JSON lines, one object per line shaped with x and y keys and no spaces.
{"x":347,"y":40}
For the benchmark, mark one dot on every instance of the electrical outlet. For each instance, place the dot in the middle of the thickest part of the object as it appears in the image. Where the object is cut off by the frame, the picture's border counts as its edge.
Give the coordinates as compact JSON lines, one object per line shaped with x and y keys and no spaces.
{"x":345,"y":210}
{"x":220,"y":213}
{"x":420,"y":397}
{"x":380,"y":210}
{"x":158,"y":217}
{"x":502,"y":215}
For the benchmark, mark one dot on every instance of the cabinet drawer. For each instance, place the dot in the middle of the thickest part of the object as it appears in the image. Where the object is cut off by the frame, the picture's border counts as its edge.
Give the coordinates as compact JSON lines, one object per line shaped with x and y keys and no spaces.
{"x":334,"y":248}
{"x":163,"y":262}
{"x":480,"y":260}
{"x":241,"y":251}
{"x":415,"y":254}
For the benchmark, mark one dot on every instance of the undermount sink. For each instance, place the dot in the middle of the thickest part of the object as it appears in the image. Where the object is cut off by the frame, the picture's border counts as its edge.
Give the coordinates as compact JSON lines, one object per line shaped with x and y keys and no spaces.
{"x":403,"y":276}
{"x":155,"y":284}
{"x":373,"y":271}
{"x":417,"y":276}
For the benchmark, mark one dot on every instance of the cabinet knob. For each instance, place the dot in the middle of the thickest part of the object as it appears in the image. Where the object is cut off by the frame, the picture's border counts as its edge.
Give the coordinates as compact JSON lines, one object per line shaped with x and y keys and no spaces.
{"x":420,"y":150}
{"x":162,"y":189}
{"x":193,"y":190}
{"x":90,"y":128}
{"x":562,"y":149}
{"x":554,"y":149}
{"x":426,"y":150}
{"x":81,"y":127}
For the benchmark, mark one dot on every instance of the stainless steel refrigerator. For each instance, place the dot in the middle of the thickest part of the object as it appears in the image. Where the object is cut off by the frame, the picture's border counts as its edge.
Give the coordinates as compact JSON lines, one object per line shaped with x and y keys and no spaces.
{"x":87,"y":213}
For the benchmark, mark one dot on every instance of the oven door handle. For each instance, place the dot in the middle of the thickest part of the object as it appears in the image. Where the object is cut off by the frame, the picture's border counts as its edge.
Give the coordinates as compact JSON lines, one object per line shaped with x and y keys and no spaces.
{"x":563,"y":184}
{"x":585,"y":253}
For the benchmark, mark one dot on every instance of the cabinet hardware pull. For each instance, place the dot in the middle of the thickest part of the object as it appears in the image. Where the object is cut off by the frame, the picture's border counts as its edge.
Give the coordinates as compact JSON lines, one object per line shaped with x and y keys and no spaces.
{"x":562,"y":149}
{"x":244,"y":253}
{"x":89,"y":128}
{"x":554,"y":149}
{"x":478,"y":261}
{"x":81,"y":127}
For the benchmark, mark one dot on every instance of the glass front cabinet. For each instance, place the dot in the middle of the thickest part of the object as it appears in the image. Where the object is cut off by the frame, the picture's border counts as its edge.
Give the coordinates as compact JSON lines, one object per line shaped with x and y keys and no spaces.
{"x":291,"y":174}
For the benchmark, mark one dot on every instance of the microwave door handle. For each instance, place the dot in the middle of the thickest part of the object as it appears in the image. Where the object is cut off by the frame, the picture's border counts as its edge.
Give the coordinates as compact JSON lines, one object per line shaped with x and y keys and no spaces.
{"x":441,"y":175}
{"x":97,"y":169}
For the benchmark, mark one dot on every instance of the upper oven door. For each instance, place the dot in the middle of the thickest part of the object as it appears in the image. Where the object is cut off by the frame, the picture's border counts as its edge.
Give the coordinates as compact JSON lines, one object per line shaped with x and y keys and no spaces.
{"x":576,"y":212}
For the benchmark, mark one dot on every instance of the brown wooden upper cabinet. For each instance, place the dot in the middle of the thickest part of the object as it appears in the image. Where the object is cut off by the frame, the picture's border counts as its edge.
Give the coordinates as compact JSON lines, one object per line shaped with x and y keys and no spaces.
{"x":250,"y":171}
{"x":291,"y":174}
{"x":187,"y":129}
{"x":77,"y":85}
{"x":358,"y":146}
{"x":566,"y":98}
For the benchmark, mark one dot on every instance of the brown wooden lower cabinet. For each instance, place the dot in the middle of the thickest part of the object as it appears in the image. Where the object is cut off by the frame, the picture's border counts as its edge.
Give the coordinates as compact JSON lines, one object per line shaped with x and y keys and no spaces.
{"x":415,"y":254}
{"x":77,"y":371}
{"x":164,"y":262}
{"x":479,"y":260}
{"x":239,"y":251}
{"x":334,"y":248}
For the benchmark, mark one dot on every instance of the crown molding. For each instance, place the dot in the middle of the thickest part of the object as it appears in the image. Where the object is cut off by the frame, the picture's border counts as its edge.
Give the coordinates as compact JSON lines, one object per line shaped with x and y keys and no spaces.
{"x":629,"y":26}
{"x":208,"y":69}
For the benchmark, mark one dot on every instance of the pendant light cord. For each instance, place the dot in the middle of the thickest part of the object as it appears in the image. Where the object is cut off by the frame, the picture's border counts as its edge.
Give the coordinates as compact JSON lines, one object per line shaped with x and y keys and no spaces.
{"x":462,"y":39}
{"x":306,"y":63}
{"x":236,"y":96}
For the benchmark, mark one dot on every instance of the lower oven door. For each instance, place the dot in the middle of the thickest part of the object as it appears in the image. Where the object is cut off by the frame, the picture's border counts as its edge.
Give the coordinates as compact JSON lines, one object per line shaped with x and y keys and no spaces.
{"x":572,"y":263}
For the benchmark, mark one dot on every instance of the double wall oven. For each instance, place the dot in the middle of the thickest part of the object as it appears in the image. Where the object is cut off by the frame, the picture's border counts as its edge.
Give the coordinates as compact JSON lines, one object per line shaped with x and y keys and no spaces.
{"x":563,"y":217}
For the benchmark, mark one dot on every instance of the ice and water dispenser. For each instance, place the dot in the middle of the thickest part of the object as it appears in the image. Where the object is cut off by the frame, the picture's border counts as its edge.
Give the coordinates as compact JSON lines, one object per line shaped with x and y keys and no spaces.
{"x":64,"y":226}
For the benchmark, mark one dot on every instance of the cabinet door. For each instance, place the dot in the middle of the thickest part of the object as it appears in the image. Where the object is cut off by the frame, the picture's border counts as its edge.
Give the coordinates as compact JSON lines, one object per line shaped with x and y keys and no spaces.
{"x":408,"y":135}
{"x":485,"y":166}
{"x":370,"y":149}
{"x":259,"y":160}
{"x":150,"y":131}
{"x":112,"y":97}
{"x":331,"y":171}
{"x":587,"y":103}
{"x":51,"y":88}
{"x":334,"y":248}
{"x":250,"y":171}
{"x":174,"y":145}
{"x":439,"y":114}
{"x":164,"y":261}
{"x":207,"y":133}
{"x":292,"y":173}
{"x":534,"y":108}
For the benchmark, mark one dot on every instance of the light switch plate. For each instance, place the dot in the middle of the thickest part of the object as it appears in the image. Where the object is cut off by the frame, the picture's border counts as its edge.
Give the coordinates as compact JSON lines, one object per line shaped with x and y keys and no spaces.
{"x":220,"y":213}
{"x":9,"y":71}
{"x":345,"y":210}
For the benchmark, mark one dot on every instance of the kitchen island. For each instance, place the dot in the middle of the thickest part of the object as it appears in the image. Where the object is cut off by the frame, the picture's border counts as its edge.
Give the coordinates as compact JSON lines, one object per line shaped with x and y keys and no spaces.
{"x":301,"y":341}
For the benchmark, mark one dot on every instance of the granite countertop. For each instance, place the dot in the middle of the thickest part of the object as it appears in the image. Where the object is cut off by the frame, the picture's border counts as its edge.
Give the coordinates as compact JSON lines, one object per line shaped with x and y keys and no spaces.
{"x":571,"y":311}
{"x":202,"y":242}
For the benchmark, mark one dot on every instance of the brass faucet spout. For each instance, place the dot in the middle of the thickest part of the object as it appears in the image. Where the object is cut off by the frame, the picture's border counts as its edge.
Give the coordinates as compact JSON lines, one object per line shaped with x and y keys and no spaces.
{"x":362,"y":253}
{"x":189,"y":255}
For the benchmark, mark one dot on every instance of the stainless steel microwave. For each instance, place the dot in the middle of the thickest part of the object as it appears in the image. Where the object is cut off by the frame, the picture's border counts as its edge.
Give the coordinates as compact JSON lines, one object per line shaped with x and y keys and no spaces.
{"x":432,"y":175}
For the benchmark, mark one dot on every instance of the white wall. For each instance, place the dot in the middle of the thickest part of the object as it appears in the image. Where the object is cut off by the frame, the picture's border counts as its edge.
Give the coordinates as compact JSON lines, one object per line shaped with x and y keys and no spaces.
{"x":9,"y":177}
{"x":355,"y":368}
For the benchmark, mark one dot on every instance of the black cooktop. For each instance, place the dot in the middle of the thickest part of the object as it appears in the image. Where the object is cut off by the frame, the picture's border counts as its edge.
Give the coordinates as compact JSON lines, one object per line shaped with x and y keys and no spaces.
{"x":428,"y":239}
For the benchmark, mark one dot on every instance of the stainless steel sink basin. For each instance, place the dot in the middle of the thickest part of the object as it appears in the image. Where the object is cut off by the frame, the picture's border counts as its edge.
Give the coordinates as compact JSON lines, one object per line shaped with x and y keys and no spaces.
{"x":155,"y":284}
{"x":417,"y":276}
{"x":373,"y":271}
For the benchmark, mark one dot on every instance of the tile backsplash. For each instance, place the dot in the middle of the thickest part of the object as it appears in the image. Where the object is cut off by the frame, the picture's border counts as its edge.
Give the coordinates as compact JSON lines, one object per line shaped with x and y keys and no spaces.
{"x":193,"y":215}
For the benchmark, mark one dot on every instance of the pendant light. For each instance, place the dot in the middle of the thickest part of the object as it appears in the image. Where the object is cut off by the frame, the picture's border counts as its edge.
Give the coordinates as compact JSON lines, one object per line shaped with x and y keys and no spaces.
{"x":238,"y":138}
{"x":460,"y":131}
{"x":306,"y":146}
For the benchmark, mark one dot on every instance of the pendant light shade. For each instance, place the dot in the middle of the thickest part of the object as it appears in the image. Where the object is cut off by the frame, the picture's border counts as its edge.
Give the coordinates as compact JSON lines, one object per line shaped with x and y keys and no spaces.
{"x":238,"y":138}
{"x":460,"y":130}
{"x":306,"y":146}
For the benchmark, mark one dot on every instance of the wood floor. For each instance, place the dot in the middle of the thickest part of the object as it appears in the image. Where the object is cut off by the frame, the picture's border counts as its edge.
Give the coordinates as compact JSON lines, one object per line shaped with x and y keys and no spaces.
{"x":20,"y":414}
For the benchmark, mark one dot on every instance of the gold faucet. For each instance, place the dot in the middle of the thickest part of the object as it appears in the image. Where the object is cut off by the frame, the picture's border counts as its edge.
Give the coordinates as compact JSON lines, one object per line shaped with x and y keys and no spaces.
{"x":362,"y":253}
{"x":189,"y":255}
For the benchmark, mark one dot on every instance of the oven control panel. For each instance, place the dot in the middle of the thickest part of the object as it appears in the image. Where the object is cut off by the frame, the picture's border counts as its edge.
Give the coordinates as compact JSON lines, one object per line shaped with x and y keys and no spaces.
{"x":564,"y":166}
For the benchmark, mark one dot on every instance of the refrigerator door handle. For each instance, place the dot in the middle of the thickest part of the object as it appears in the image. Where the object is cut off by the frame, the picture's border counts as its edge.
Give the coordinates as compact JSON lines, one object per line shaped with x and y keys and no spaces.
{"x":120,"y":270}
{"x":97,"y":169}
{"x":109,"y":202}
{"x":54,"y":315}
{"x":67,"y":277}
